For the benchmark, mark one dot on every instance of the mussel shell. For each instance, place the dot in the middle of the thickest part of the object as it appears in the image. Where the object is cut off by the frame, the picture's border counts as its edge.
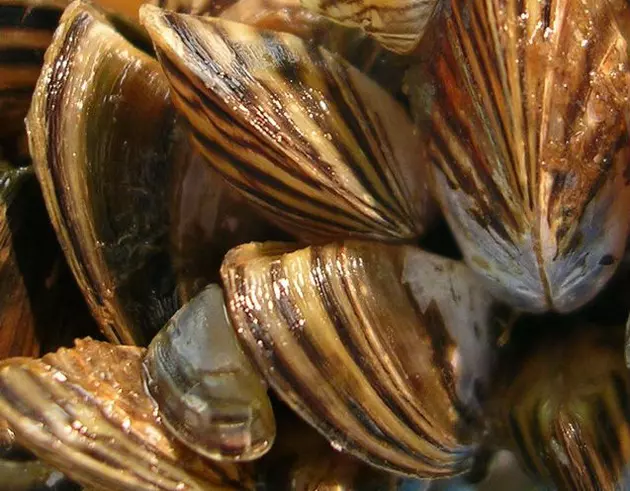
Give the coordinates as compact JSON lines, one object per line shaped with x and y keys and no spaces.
{"x":526,"y":107}
{"x":26,"y":29}
{"x":383,"y":349}
{"x":208,"y":394}
{"x":84,"y":410}
{"x":353,"y":44}
{"x":562,"y":405}
{"x":302,"y":460}
{"x":40,"y":306}
{"x":102,"y":133}
{"x":20,"y":247}
{"x":323,"y":150}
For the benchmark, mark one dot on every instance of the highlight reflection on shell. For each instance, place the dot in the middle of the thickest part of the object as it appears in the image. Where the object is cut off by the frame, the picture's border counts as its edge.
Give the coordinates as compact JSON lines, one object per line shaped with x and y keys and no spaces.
{"x":208,"y":394}
{"x":85,"y":411}
{"x":530,"y":153}
{"x":412,"y":332}
{"x":309,"y":139}
{"x":103,"y":149}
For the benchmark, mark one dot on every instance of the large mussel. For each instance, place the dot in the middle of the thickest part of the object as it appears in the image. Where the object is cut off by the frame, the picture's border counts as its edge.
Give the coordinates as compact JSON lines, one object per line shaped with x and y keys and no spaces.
{"x":529,"y":152}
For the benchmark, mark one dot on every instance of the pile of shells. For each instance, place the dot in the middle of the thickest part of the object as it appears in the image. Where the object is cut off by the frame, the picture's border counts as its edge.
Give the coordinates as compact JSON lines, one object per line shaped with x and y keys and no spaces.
{"x":307,"y":245}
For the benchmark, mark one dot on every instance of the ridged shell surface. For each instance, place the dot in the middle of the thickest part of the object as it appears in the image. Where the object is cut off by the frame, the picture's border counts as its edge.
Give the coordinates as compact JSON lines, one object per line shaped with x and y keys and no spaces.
{"x":101,"y":132}
{"x":85,"y":411}
{"x":382,"y":348}
{"x":26,"y":29}
{"x":313,"y":142}
{"x":527,"y":105}
{"x":565,"y":408}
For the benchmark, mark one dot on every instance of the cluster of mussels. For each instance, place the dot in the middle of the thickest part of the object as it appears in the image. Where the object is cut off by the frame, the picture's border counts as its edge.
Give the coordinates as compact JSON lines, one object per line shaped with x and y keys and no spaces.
{"x":406,"y":217}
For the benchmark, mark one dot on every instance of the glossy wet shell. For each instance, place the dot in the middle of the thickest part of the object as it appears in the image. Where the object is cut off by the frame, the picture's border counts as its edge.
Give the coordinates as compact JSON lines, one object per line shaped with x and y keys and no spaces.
{"x":85,"y":410}
{"x":104,"y":163}
{"x":526,"y":104}
{"x":208,"y":394}
{"x":314,"y":143}
{"x":382,"y":349}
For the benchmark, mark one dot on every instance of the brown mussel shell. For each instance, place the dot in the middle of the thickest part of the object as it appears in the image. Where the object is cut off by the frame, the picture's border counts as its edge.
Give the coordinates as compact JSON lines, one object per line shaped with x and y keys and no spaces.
{"x":314,"y":143}
{"x":26,"y":29}
{"x":562,"y":405}
{"x":525,"y":105}
{"x":383,"y":349}
{"x":85,"y":411}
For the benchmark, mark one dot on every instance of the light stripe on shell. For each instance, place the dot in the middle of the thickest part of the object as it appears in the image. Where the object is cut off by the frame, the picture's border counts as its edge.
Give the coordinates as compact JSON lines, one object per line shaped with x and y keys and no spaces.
{"x":526,"y":103}
{"x":322,"y":149}
{"x":85,"y":411}
{"x":382,"y":348}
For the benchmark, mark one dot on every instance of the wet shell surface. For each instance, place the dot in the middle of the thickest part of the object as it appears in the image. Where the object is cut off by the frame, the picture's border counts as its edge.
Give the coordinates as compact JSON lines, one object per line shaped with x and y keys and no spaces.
{"x":526,"y":105}
{"x":309,"y":139}
{"x":397,"y":24}
{"x":19,"y":335}
{"x":101,"y":131}
{"x":85,"y":411}
{"x":383,"y":349}
{"x":207,"y":391}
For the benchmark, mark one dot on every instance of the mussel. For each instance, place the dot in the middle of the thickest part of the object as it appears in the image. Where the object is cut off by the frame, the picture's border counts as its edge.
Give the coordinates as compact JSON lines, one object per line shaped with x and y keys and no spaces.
{"x":208,"y":393}
{"x":526,"y":107}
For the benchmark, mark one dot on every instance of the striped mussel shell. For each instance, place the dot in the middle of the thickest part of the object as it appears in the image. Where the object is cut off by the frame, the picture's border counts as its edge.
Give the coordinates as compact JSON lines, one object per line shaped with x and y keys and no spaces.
{"x":527,"y":105}
{"x":26,"y":29}
{"x":37,"y":294}
{"x":384,"y":349}
{"x":104,"y":140}
{"x":353,"y":44}
{"x":313,"y":142}
{"x":85,"y":411}
{"x":208,"y":394}
{"x":27,"y":257}
{"x":562,"y":405}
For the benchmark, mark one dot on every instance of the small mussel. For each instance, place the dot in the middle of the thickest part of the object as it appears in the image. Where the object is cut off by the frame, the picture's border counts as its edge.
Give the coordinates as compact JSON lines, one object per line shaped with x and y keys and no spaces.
{"x":207,"y":390}
{"x":562,"y":403}
{"x":530,"y":152}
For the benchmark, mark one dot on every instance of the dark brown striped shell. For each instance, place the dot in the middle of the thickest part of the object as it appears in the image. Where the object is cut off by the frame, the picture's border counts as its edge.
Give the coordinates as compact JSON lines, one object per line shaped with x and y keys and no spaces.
{"x":382,"y":348}
{"x":102,"y":148}
{"x":309,"y":139}
{"x":526,"y":104}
